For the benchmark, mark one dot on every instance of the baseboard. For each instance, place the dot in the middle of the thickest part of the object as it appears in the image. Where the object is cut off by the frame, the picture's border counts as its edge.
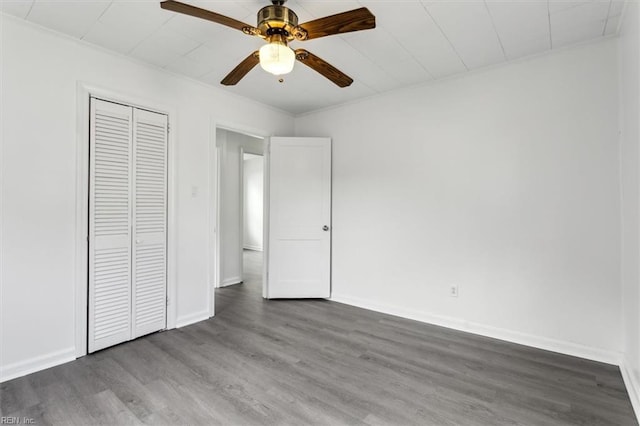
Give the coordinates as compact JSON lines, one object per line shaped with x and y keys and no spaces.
{"x":633,"y":387}
{"x":254,"y":248}
{"x":540,"y":342}
{"x":192,"y":318}
{"x":231,"y":281}
{"x":22,"y":368}
{"x":42,"y":362}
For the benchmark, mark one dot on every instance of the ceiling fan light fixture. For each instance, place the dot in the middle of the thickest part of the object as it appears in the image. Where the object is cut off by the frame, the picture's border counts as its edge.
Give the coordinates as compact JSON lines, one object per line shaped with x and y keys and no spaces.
{"x":276,"y":57}
{"x":278,"y":25}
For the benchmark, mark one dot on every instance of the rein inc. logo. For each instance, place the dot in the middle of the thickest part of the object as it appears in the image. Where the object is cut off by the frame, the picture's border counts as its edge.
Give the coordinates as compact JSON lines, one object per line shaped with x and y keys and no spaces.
{"x":15,"y":420}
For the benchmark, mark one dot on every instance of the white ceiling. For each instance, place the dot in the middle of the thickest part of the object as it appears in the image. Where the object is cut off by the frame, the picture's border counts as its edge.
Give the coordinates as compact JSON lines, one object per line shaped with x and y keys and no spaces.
{"x":414,"y":42}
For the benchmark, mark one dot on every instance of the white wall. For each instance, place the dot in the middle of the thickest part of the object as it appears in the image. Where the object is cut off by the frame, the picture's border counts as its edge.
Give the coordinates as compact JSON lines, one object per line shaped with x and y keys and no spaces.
{"x":253,"y":189}
{"x":40,"y":71}
{"x":503,"y":182}
{"x":629,"y":65}
{"x":231,"y":225}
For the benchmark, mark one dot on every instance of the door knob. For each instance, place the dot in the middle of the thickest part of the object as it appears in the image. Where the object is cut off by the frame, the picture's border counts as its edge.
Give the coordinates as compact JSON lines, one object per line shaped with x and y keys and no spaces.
{"x":325,"y":228}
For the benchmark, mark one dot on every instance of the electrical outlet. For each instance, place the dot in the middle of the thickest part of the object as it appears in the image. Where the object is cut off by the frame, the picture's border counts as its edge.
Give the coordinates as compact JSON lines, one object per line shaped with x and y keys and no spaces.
{"x":453,"y":291}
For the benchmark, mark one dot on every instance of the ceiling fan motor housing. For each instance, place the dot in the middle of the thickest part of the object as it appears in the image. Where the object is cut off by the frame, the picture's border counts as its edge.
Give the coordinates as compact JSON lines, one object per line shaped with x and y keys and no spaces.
{"x":277,"y":19}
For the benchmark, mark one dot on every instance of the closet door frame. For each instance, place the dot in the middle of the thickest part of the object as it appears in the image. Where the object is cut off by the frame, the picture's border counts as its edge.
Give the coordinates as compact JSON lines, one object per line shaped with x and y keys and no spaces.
{"x":84,"y":93}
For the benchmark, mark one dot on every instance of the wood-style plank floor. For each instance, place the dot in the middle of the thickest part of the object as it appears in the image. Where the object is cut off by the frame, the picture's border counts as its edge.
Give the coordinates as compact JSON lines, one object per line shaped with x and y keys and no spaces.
{"x":318,"y":362}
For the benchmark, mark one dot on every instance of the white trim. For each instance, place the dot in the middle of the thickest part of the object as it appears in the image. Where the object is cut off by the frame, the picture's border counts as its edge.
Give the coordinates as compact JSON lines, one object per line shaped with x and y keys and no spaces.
{"x":245,"y":130}
{"x":82,"y":219}
{"x":221,"y":155}
{"x":213,"y":268}
{"x":192,"y":318}
{"x":84,"y":92}
{"x":22,"y":368}
{"x":633,"y":387}
{"x":540,"y":342}
{"x":172,"y":221}
{"x":266,"y":179}
{"x":231,"y":281}
{"x":241,"y":210}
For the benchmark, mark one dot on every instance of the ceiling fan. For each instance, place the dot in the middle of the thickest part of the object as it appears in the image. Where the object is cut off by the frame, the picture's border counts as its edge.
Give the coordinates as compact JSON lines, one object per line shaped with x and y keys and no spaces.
{"x":278,"y":25}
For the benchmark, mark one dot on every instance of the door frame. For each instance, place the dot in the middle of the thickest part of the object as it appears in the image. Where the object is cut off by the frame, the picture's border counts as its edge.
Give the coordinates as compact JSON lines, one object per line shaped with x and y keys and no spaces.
{"x":242,"y":196}
{"x":241,"y":210}
{"x":216,"y":156}
{"x":221,"y":158}
{"x":84,"y":91}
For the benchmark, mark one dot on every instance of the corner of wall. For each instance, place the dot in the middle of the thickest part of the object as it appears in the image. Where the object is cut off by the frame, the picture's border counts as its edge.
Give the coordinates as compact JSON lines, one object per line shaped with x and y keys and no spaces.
{"x":192,"y":318}
{"x":632,"y":384}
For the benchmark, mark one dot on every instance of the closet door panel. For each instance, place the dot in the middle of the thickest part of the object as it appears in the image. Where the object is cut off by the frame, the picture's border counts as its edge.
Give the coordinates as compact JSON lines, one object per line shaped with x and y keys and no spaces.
{"x":110,"y":224}
{"x":149,"y":222}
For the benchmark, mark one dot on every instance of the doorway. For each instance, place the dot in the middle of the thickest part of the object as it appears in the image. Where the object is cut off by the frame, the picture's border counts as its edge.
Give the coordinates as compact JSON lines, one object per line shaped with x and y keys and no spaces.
{"x":240,"y":209}
{"x":296,"y":216}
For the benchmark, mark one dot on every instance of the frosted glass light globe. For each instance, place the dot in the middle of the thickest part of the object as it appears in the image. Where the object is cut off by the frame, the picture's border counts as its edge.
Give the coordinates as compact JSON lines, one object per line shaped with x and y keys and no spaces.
{"x":277,"y":58}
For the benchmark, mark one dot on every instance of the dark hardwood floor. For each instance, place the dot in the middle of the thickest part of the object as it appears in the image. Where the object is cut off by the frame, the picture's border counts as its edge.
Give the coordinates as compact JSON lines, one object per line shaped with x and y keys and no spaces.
{"x":318,"y":362}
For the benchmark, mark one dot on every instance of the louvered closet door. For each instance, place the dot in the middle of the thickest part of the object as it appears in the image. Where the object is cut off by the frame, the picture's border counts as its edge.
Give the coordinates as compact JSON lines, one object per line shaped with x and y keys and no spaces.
{"x":110,"y":224}
{"x":150,"y":222}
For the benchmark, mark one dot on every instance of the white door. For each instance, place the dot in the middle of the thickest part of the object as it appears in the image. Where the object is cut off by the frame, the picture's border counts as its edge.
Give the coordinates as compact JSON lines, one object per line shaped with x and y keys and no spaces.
{"x":149,"y":223}
{"x":127,"y":223}
{"x":110,"y":224}
{"x":299,"y":251}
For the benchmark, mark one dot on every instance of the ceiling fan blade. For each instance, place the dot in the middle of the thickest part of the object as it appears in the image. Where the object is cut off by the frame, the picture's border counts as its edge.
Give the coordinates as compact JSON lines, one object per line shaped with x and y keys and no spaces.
{"x":353,"y":20}
{"x":242,"y":69}
{"x":187,"y":9}
{"x":323,"y":67}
